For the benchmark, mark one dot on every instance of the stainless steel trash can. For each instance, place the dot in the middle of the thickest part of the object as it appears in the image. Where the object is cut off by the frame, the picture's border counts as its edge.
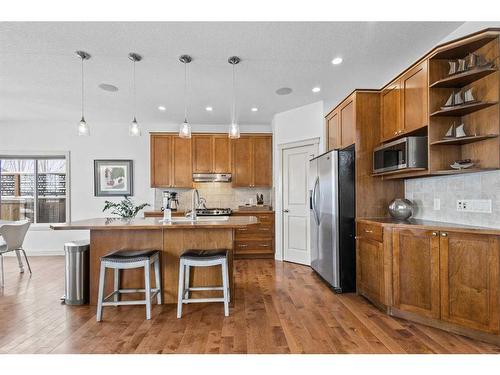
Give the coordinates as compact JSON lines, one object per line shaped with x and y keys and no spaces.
{"x":76,"y":275}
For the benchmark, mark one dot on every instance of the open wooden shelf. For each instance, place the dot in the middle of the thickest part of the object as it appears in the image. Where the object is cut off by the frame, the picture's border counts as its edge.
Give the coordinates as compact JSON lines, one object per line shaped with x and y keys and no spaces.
{"x":464,"y":78}
{"x":460,"y":171}
{"x":464,"y":109}
{"x":464,"y":140}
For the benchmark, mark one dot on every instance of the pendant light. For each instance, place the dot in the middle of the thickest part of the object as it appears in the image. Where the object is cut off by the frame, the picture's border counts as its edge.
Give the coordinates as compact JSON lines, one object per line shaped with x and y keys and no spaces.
{"x":185,"y":128}
{"x":234,"y":128}
{"x":83,"y":128}
{"x":133,"y":129}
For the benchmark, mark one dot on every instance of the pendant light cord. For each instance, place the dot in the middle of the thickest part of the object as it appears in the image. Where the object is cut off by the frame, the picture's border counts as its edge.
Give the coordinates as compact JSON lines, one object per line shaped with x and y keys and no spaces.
{"x":82,"y":90}
{"x":185,"y":92}
{"x":233,"y":110}
{"x":135,"y":100}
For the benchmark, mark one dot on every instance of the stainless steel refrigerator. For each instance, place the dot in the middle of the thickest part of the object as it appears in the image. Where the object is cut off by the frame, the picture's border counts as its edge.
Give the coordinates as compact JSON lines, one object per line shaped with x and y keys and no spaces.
{"x":332,"y":216}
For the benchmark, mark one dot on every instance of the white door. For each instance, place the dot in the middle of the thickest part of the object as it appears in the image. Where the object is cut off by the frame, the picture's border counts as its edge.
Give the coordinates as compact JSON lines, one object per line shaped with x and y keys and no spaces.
{"x":296,"y":226}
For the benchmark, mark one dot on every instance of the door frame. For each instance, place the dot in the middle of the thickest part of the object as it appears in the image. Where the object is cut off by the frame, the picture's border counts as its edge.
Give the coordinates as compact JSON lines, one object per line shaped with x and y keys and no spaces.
{"x":279,"y":252}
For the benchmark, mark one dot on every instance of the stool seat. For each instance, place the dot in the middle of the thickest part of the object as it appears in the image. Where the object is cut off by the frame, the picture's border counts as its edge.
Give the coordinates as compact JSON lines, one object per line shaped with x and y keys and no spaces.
{"x":126,"y":256}
{"x":204,"y":254}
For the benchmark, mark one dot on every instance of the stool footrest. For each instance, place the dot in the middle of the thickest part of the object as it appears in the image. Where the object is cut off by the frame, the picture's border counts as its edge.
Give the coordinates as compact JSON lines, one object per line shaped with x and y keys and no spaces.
{"x":202,"y":300}
{"x":154,"y":292}
{"x":198,"y":288}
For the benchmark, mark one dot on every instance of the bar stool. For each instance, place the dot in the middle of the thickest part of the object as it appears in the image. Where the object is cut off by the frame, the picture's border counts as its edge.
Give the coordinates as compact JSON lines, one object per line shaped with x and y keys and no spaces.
{"x":128,"y":259}
{"x":202,"y":258}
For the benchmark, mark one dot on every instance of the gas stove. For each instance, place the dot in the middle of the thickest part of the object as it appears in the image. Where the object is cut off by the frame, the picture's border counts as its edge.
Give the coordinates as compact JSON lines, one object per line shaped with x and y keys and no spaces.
{"x":214,"y":211}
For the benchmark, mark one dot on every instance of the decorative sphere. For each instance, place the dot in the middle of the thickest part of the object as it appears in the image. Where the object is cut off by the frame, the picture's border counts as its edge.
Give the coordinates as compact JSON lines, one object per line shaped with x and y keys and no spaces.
{"x":401,"y":209}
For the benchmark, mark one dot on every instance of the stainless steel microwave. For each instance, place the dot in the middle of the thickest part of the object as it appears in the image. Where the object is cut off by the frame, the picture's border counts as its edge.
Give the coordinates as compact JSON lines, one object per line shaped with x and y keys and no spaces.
{"x":404,"y":153}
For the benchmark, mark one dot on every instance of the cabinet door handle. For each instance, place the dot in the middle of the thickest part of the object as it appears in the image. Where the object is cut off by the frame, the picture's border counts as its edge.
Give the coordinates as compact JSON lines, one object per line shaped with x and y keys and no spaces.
{"x":242,"y":229}
{"x":286,"y":211}
{"x":265,"y":229}
{"x":242,"y":245}
{"x":444,"y":234}
{"x":395,"y":133}
{"x":434,"y":234}
{"x":263,"y":245}
{"x":368,"y":231}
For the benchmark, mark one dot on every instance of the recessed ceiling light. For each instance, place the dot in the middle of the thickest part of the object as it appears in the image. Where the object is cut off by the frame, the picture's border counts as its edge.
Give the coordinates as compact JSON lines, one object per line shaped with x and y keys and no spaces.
{"x":162,"y":108}
{"x":337,"y":61}
{"x":284,"y":91}
{"x":108,"y":87}
{"x":254,"y":109}
{"x":209,"y":109}
{"x":316,"y":89}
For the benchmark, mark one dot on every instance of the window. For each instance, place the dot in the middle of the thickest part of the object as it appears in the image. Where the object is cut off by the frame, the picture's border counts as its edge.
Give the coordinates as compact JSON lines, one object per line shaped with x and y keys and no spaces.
{"x":34,"y":188}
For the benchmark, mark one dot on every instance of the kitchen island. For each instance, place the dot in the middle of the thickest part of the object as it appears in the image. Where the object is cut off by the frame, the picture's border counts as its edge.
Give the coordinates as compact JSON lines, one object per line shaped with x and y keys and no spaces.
{"x":172,"y":239}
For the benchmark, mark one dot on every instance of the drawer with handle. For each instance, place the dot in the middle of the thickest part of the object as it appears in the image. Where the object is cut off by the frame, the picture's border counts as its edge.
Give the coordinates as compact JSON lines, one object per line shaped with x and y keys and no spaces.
{"x":253,"y":247}
{"x":372,"y":231}
{"x":257,"y":231}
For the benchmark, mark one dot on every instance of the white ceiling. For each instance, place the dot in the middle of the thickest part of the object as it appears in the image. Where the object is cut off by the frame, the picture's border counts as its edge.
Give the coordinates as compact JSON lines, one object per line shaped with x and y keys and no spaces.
{"x":40,"y":74}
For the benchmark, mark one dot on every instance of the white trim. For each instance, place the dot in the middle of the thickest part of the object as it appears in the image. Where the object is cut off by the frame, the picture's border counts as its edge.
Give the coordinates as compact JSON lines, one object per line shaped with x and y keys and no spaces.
{"x":35,"y":154}
{"x":278,"y":254}
{"x":38,"y":253}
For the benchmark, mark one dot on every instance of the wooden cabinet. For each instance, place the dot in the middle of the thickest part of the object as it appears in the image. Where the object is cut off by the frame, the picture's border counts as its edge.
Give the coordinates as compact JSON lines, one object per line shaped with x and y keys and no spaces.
{"x":370,"y":270}
{"x":171,"y":161}
{"x":470,"y":280}
{"x":256,"y":241}
{"x":211,"y":154}
{"x":333,"y":130}
{"x":416,"y":271}
{"x":390,"y":120}
{"x":341,"y":126}
{"x":347,"y":125}
{"x":252,"y":161}
{"x":415,"y":88}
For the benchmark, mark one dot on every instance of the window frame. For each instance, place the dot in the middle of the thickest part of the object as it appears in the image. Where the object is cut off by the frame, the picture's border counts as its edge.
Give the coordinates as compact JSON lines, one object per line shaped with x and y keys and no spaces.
{"x":9,"y":154}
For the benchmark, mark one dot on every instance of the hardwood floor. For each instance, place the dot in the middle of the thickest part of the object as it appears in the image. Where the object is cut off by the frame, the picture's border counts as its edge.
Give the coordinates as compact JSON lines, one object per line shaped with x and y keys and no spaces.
{"x":279,"y":308}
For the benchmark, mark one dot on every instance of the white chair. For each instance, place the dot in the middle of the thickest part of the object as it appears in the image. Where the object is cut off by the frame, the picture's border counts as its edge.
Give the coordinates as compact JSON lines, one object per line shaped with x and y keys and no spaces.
{"x":202,"y":258}
{"x":13,"y":237}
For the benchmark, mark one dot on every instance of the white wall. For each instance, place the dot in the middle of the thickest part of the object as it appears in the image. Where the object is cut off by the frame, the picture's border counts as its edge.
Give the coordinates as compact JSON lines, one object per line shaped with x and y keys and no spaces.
{"x":296,"y":125}
{"x":469,"y":28}
{"x":107,"y":141}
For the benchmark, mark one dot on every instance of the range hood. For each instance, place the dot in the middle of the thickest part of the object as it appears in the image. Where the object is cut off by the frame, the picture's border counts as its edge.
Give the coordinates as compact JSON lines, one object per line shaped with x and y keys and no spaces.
{"x":212,"y":177}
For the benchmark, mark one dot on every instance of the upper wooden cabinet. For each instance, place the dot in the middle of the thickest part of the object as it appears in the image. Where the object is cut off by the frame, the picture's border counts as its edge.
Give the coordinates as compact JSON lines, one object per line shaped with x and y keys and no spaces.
{"x":252,"y":161}
{"x":415,"y":89}
{"x":211,"y":153}
{"x":171,"y":161}
{"x":416,"y":271}
{"x":404,"y":103}
{"x":341,"y":126}
{"x":390,"y":113}
{"x":470,"y":280}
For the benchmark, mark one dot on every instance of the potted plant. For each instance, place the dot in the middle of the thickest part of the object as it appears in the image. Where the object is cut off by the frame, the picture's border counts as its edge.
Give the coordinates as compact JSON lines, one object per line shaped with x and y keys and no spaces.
{"x":125,"y":208}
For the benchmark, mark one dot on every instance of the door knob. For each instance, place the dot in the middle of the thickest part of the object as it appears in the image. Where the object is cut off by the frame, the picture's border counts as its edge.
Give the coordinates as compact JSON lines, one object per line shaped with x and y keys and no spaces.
{"x":434,"y":234}
{"x":286,"y":211}
{"x":444,"y":234}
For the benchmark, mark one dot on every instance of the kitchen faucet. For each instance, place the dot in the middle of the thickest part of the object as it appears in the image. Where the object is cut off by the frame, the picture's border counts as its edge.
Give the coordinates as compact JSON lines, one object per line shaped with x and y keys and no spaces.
{"x":195,"y":201}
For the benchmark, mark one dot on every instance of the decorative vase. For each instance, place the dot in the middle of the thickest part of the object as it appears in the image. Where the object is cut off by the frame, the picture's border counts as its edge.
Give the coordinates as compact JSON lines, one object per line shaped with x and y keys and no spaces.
{"x":401,"y":209}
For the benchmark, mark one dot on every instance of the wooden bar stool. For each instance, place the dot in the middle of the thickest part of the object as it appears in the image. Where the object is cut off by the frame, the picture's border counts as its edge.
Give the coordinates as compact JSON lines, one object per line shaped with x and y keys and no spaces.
{"x":202,"y":258}
{"x":128,"y":259}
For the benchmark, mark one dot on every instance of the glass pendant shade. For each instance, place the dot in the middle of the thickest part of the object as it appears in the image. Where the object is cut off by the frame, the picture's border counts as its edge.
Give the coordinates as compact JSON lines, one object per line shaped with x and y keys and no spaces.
{"x":83,"y":128}
{"x":185,"y":130}
{"x":234,"y":131}
{"x":133,"y":129}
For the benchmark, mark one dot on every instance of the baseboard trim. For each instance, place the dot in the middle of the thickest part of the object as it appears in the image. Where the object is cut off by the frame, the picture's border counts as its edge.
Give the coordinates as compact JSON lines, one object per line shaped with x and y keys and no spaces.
{"x":38,"y":253}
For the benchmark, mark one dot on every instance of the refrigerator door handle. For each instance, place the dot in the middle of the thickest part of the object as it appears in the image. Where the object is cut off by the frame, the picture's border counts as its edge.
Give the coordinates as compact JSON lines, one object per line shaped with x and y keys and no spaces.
{"x":315,"y":211}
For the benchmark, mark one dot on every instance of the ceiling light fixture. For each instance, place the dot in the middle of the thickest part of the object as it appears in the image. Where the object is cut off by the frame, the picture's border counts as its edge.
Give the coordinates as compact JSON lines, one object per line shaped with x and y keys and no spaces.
{"x":254,"y":109}
{"x":284,"y":91}
{"x":133,"y":129}
{"x":337,"y":61}
{"x":209,"y":109}
{"x":162,"y":108}
{"x":185,"y":129}
{"x":83,"y":127}
{"x":234,"y":128}
{"x":108,"y":87}
{"x":316,"y":89}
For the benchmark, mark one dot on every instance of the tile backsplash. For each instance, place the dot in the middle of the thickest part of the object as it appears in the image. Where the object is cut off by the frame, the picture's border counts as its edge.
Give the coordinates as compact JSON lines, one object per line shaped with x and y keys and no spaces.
{"x":217,"y":194}
{"x":484,"y":185}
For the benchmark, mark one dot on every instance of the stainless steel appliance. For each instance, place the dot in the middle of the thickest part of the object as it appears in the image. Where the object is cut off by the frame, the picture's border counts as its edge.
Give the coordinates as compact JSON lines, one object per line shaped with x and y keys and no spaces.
{"x":332,"y":214}
{"x":213,"y":212}
{"x":212,"y":177}
{"x":404,"y":153}
{"x":170,"y":201}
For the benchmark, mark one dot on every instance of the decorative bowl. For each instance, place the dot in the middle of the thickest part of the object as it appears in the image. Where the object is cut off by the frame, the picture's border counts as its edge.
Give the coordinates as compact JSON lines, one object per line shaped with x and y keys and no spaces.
{"x":401,"y":209}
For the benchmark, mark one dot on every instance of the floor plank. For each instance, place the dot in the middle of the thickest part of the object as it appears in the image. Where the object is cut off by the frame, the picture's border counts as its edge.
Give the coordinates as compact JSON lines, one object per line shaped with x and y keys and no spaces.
{"x":279,"y":308}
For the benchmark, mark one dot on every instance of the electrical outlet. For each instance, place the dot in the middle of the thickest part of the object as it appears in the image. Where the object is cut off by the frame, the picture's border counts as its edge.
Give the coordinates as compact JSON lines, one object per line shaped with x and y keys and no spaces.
{"x":474,"y":205}
{"x":437,"y":204}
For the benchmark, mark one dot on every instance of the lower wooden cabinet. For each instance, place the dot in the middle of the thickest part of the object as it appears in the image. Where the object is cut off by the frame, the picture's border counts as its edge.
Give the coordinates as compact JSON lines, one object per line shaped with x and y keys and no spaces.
{"x":370,"y":263}
{"x":256,"y":241}
{"x":470,"y":280}
{"x":415,"y":265}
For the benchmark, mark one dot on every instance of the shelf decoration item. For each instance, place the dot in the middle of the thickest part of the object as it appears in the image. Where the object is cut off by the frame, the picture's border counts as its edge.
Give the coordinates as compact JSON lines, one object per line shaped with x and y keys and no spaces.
{"x":401,"y":209}
{"x":455,"y":132}
{"x":460,"y":97}
{"x":470,"y":62}
{"x":113,"y":178}
{"x":462,"y":164}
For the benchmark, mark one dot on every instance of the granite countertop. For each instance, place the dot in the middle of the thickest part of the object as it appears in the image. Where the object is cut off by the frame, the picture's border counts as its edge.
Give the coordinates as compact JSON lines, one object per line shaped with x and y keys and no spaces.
{"x":429,"y":224}
{"x":155,"y":223}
